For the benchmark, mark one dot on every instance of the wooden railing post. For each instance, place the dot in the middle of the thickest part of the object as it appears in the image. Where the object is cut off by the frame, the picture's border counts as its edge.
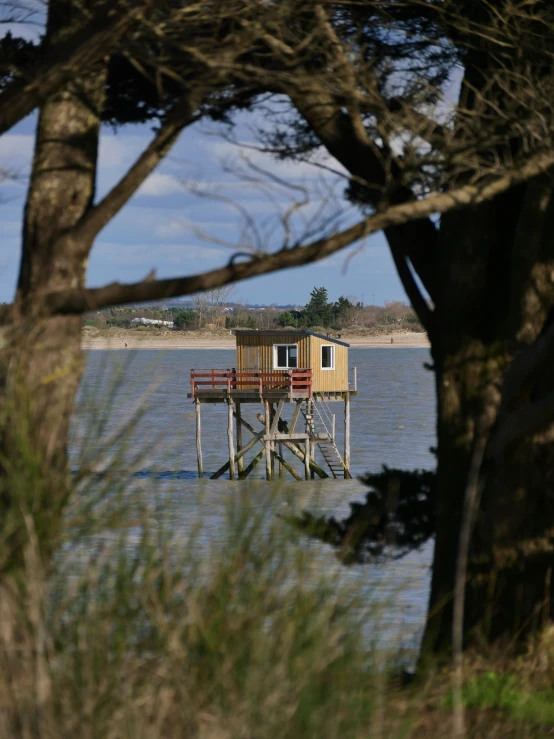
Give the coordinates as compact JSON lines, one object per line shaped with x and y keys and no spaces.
{"x":192,"y":383}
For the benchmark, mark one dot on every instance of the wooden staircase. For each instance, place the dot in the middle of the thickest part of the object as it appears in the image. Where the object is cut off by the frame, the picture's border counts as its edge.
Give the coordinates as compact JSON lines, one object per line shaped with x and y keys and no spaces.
{"x":323,"y":437}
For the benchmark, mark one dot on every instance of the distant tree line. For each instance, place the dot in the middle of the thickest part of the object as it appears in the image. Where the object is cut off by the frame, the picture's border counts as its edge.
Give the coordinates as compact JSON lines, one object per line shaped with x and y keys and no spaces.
{"x":319,"y":312}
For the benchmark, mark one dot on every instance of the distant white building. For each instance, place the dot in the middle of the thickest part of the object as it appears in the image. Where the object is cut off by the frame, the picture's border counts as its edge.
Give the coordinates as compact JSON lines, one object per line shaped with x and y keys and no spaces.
{"x":152,"y":322}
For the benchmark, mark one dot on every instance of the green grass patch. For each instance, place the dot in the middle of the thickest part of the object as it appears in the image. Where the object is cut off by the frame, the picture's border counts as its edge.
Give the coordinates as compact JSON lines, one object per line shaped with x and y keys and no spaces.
{"x":505,"y":692}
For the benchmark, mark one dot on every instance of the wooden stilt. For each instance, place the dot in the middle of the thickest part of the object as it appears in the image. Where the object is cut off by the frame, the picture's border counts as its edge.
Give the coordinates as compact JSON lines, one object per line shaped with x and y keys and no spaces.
{"x":230,"y":439}
{"x":299,"y":452}
{"x":267,"y":442}
{"x":310,"y":431}
{"x":240,"y":455}
{"x":347,"y":435}
{"x":257,"y":438}
{"x":276,"y":416}
{"x":281,"y":468}
{"x":286,"y":465}
{"x":272,"y":418}
{"x":199,"y":439}
{"x":307,"y":460}
{"x":240,"y":458}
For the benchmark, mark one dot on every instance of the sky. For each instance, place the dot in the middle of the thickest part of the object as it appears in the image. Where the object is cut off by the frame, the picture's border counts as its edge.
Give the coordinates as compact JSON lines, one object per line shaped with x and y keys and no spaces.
{"x":210,"y":197}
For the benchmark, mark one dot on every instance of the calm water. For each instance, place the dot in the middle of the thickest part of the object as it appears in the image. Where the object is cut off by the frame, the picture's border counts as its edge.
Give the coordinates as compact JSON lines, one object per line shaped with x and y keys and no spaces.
{"x":392,"y":423}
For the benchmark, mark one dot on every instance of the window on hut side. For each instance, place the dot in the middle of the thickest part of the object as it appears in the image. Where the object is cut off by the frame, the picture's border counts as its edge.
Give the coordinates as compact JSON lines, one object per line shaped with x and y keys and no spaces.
{"x":328,"y":357}
{"x":285,"y":356}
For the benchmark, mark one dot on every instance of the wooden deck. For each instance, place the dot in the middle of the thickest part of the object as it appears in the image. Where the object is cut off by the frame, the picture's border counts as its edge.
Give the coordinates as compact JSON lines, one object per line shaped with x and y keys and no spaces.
{"x":291,"y":383}
{"x":246,"y":396}
{"x":216,"y":386}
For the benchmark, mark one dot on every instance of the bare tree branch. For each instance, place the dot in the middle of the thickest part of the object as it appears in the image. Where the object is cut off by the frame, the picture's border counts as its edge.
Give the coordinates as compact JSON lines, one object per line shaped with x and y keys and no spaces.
{"x":345,"y":141}
{"x":81,"y":300}
{"x":100,"y":215}
{"x":419,"y":304}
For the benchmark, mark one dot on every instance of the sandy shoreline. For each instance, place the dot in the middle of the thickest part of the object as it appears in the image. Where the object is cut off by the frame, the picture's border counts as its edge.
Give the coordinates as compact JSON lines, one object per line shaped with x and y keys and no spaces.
{"x":175,"y":340}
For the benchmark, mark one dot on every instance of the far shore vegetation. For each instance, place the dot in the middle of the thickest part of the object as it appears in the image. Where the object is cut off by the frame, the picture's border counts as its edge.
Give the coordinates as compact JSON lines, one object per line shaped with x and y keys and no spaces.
{"x":207,"y":312}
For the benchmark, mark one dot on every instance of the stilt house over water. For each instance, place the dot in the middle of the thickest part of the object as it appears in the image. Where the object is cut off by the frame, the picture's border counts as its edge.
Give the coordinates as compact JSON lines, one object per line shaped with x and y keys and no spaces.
{"x":277,"y":368}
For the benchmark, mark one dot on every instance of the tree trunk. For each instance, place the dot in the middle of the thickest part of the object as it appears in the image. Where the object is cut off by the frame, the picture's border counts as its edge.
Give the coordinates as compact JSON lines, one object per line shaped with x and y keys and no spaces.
{"x":497,"y":293}
{"x":43,"y":360}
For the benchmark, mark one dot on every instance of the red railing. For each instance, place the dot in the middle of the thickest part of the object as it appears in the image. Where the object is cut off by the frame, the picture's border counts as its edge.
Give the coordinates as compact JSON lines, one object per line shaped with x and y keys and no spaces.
{"x":295,"y":381}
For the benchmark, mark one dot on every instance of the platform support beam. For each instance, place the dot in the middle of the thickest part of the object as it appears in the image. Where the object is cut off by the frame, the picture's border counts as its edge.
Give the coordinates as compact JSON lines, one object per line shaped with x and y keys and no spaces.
{"x":295,"y":415}
{"x":230,"y":439}
{"x":240,"y":457}
{"x":199,"y":439}
{"x":307,"y":459}
{"x":268,"y":457}
{"x":347,"y":435}
{"x":252,"y":465}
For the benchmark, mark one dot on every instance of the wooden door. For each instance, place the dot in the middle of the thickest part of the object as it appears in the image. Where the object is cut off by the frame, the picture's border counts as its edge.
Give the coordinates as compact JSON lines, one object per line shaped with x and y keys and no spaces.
{"x":251,"y":359}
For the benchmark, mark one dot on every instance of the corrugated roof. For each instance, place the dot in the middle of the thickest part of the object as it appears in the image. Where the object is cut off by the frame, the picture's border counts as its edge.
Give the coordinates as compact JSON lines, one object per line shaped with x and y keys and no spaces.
{"x":278,"y":332}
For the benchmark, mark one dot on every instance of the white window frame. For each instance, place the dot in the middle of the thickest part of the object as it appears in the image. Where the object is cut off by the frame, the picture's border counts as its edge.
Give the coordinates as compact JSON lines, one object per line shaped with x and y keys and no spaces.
{"x":332,"y":367}
{"x":275,"y":365}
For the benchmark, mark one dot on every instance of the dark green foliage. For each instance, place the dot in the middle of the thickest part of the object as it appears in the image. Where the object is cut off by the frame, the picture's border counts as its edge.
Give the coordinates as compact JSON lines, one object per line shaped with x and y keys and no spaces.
{"x":397,"y":517}
{"x":289,"y":318}
{"x":15,"y":54}
{"x":183,"y":319}
{"x":319,"y":306}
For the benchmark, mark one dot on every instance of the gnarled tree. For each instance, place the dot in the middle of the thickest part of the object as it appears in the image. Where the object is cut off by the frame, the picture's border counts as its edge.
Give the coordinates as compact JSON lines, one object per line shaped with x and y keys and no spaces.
{"x":375,"y":84}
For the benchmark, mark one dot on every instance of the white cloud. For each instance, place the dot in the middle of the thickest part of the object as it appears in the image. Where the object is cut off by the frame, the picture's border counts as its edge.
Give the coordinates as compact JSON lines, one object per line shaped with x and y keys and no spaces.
{"x":158,"y":185}
{"x":170,"y":230}
{"x":119,"y":150}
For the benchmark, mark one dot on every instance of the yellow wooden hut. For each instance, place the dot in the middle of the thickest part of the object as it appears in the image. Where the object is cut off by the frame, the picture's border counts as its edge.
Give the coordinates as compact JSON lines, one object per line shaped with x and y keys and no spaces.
{"x":276,"y":368}
{"x":273,"y":350}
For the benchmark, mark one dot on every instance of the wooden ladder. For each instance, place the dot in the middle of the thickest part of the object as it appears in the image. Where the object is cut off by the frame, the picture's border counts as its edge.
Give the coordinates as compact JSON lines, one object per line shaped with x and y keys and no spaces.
{"x":320,"y":435}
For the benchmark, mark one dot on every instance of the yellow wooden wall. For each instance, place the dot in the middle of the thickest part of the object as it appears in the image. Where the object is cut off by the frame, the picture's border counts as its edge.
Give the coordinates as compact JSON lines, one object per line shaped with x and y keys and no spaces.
{"x":246,"y":345}
{"x":309,"y":355}
{"x":328,"y":381}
